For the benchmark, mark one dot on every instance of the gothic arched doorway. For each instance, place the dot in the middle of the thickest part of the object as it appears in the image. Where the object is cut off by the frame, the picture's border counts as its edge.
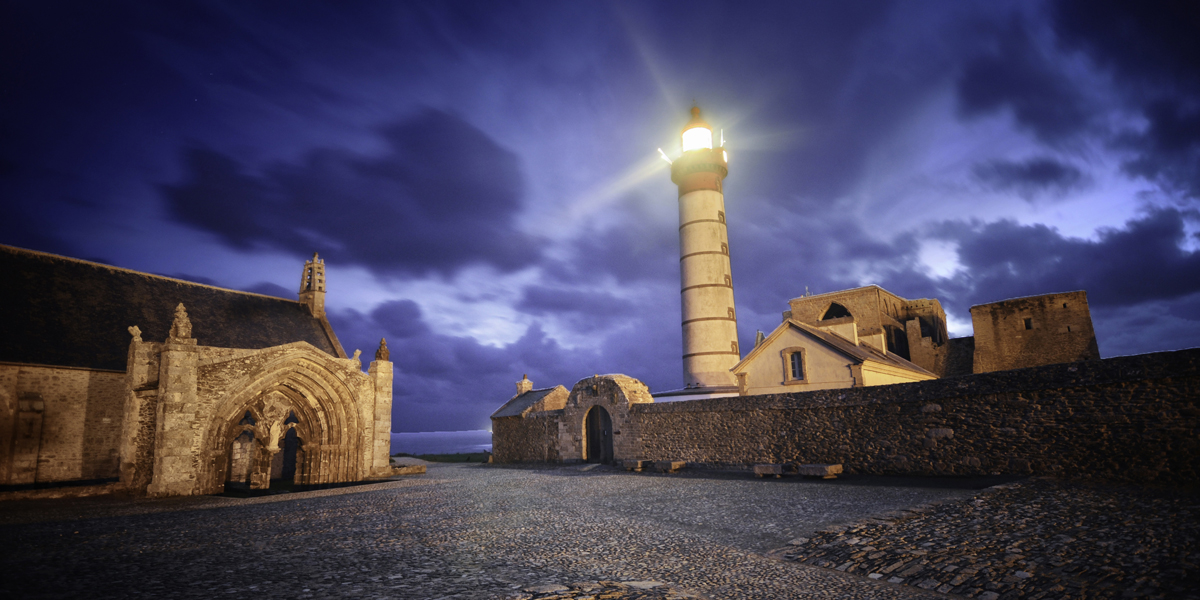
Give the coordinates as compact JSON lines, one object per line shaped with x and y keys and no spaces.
{"x":597,"y":437}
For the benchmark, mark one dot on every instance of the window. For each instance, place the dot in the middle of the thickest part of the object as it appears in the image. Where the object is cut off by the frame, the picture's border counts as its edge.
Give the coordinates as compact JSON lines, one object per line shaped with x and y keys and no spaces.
{"x":793,"y":366}
{"x":835,"y":311}
{"x":721,"y":216}
{"x":725,"y":249}
{"x":1028,"y":323}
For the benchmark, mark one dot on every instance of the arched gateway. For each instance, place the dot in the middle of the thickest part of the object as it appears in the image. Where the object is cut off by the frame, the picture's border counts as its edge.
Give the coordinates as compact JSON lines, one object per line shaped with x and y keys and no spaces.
{"x":597,"y":436}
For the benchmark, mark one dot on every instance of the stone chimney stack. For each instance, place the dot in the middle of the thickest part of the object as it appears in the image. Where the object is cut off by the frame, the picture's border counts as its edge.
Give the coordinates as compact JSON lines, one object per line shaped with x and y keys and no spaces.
{"x":312,"y":286}
{"x":524,"y":385}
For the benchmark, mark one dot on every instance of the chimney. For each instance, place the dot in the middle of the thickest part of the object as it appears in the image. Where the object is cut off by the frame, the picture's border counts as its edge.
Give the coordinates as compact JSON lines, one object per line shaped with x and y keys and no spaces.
{"x":524,"y":385}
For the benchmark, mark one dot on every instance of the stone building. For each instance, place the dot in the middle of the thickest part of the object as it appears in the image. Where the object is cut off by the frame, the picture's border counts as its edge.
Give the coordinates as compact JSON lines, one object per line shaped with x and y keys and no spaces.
{"x":797,"y":357}
{"x":178,"y":388}
{"x":1033,"y":331}
{"x":914,"y":330}
{"x":593,"y":423}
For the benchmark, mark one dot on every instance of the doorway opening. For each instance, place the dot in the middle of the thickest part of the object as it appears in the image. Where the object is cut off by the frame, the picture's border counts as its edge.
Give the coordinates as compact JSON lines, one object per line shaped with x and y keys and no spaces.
{"x":598,"y":439}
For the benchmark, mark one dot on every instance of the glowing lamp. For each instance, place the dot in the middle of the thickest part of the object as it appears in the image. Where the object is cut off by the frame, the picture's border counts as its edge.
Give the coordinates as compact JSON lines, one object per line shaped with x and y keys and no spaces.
{"x":697,"y":135}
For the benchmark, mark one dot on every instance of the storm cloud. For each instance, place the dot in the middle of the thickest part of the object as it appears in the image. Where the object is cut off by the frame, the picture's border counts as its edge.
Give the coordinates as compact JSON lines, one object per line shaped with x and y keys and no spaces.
{"x":442,"y":197}
{"x":1029,"y":178}
{"x":484,"y":183}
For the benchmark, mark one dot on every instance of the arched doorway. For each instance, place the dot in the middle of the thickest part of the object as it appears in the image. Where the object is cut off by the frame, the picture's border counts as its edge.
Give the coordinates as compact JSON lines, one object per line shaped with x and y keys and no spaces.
{"x":598,"y":441}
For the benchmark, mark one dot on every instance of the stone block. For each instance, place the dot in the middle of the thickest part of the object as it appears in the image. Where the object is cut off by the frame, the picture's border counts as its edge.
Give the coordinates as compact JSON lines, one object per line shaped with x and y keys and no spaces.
{"x":669,"y":466}
{"x":637,"y":465}
{"x":764,"y":470}
{"x":822,"y":471}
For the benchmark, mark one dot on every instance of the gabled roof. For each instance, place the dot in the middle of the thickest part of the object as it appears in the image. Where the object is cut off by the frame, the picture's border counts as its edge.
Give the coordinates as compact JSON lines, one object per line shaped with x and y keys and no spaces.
{"x":68,"y":312}
{"x":858,"y":354}
{"x":521,"y":403}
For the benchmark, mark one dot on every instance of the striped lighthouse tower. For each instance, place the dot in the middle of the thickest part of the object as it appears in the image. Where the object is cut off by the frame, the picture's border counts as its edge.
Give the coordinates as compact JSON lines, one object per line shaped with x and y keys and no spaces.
{"x":710,"y":346}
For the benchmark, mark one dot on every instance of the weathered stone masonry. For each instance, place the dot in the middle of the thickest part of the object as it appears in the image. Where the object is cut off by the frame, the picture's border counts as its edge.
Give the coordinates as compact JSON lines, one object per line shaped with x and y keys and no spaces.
{"x":1128,"y":418}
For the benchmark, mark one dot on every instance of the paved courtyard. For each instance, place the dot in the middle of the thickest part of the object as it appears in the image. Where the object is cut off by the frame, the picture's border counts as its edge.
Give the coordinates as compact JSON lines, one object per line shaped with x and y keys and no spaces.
{"x":460,"y":531}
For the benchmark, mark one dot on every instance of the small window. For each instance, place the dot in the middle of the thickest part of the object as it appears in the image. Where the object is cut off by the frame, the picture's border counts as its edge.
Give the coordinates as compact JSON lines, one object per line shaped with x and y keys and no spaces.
{"x":725,"y":249}
{"x":721,"y":217}
{"x":1064,"y":304}
{"x":732,"y":314}
{"x":793,"y":366}
{"x":1029,"y":323}
{"x":1068,"y":329}
{"x":733,"y":346}
{"x":728,"y":281}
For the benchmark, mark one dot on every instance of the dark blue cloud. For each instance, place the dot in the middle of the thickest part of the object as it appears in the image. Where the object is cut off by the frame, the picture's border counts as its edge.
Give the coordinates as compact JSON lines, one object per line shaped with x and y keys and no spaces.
{"x":1017,"y":76}
{"x":1153,"y":52}
{"x":1029,"y":178}
{"x":443,"y":197}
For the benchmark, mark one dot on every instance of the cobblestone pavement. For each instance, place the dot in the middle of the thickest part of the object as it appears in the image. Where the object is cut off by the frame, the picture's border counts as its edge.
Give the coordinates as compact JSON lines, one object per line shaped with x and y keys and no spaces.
{"x":461,"y":531}
{"x":1037,"y":539}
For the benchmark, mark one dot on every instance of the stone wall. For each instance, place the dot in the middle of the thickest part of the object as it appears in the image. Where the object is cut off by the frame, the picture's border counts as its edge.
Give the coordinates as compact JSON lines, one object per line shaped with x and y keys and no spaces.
{"x":1129,"y":418}
{"x":529,"y":439}
{"x":59,"y":423}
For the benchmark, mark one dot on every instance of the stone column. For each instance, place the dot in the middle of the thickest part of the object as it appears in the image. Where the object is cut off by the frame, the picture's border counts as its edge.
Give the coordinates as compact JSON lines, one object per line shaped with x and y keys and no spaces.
{"x":380,"y":372}
{"x":176,"y":443}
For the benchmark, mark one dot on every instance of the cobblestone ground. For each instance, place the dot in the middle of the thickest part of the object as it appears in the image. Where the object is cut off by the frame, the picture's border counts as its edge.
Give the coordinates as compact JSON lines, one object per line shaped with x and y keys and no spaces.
{"x":1037,"y":539}
{"x":461,"y":531}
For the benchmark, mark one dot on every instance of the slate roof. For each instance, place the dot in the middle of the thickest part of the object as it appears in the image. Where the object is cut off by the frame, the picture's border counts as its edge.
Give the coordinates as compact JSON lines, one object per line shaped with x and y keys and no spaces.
{"x":68,"y":312}
{"x":519,"y":404}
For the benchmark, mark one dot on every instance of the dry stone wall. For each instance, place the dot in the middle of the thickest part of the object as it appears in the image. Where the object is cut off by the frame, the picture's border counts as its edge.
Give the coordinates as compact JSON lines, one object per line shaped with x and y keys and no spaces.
{"x":1129,"y":418}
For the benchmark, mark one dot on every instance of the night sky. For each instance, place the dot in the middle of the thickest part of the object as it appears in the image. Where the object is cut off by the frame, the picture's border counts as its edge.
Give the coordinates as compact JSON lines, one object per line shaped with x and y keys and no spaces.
{"x":484,"y":181}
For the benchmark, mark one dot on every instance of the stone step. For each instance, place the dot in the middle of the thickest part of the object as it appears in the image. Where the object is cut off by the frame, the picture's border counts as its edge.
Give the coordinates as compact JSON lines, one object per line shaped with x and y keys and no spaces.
{"x":822,"y":471}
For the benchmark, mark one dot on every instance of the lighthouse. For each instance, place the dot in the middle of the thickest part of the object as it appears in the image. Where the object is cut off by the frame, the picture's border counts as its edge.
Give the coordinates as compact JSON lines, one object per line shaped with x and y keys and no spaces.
{"x":710,"y":346}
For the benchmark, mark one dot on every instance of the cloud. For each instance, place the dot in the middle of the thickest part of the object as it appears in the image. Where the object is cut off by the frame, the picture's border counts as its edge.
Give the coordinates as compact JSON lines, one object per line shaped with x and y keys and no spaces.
{"x":446,"y":382}
{"x":1153,"y":52}
{"x":1016,"y":75}
{"x":443,"y":196}
{"x":1141,"y":262}
{"x":1029,"y":178}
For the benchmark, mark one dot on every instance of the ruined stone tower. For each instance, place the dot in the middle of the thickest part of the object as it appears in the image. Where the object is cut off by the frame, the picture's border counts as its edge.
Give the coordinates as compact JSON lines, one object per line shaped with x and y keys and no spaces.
{"x":710,"y":346}
{"x":312,"y":286}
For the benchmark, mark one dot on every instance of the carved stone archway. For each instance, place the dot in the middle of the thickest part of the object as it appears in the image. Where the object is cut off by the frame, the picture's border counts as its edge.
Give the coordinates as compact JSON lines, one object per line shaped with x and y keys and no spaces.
{"x":334,"y":443}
